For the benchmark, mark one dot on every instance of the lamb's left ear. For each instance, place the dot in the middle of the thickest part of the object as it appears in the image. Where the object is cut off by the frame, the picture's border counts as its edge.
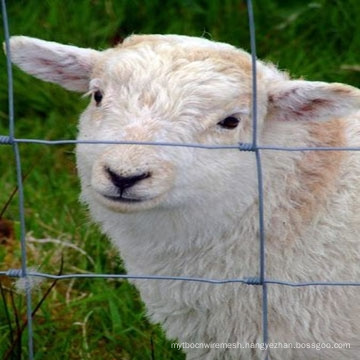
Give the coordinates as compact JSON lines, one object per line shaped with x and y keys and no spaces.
{"x":311,"y":101}
{"x":68,"y":66}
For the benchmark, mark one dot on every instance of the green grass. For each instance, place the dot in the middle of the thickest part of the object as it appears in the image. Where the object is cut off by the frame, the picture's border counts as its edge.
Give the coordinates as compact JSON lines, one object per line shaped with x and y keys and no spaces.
{"x":104,"y":319}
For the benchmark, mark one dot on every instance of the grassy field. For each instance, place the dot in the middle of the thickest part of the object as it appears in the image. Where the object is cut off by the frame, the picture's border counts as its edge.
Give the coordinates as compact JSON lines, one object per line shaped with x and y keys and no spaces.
{"x":104,"y":319}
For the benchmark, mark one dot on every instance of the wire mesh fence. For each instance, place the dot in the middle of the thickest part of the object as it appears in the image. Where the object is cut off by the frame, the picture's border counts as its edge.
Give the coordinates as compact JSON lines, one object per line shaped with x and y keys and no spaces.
{"x":261,"y":280}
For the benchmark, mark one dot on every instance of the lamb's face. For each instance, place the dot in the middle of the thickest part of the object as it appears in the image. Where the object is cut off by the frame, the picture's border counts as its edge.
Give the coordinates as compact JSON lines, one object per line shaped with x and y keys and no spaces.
{"x":162,"y":92}
{"x":176,"y":89}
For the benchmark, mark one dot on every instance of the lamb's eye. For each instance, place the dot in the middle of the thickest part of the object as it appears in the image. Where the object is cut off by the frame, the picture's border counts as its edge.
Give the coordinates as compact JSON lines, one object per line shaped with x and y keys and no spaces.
{"x":98,"y":97}
{"x":231,"y":122}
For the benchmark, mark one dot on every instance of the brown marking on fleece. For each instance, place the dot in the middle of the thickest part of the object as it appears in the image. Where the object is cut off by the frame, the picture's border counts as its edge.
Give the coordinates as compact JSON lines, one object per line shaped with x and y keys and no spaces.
{"x":312,"y":183}
{"x":312,"y":105}
{"x":318,"y":171}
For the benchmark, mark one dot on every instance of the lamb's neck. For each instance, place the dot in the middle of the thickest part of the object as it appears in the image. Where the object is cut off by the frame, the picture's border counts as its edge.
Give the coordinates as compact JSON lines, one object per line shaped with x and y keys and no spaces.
{"x":158,"y":236}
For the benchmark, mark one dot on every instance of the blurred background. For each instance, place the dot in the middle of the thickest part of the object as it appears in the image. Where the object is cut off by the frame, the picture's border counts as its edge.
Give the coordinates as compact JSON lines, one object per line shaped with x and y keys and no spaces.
{"x":104,"y":319}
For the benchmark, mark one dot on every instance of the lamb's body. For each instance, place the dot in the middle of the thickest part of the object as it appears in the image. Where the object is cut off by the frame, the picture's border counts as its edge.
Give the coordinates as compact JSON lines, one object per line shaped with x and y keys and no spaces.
{"x":312,"y":227}
{"x":194,"y":212}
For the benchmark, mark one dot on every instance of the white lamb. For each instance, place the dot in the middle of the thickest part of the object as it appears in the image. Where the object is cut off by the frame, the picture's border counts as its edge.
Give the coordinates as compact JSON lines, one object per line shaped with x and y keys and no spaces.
{"x":194,"y":212}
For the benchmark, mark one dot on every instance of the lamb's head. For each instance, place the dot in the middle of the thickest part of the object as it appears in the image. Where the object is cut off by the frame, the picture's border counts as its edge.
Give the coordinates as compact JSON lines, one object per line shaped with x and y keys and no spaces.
{"x":172,"y":89}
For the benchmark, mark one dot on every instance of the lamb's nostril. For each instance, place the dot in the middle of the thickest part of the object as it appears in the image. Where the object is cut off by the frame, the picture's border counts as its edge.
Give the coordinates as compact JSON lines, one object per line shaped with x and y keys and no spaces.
{"x":124,"y":182}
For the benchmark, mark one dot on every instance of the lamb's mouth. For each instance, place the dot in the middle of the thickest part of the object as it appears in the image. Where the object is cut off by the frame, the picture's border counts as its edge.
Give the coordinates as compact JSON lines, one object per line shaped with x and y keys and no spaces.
{"x":127,"y":203}
{"x":125,"y":200}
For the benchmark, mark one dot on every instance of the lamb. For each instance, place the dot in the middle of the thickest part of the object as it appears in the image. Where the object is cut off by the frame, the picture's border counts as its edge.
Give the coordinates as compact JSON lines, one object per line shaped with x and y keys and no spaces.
{"x":194,"y":212}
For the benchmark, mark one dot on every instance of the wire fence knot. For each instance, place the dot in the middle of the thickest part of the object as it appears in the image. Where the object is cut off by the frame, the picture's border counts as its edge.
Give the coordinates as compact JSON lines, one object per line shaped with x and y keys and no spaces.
{"x":14,"y":273}
{"x":253,"y":281}
{"x":6,"y":140}
{"x":246,"y":147}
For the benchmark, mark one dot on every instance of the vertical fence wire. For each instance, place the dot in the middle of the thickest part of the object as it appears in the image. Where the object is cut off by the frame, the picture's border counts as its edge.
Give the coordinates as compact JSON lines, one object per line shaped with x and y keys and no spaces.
{"x":262,"y":259}
{"x":19,"y":180}
{"x":253,"y":66}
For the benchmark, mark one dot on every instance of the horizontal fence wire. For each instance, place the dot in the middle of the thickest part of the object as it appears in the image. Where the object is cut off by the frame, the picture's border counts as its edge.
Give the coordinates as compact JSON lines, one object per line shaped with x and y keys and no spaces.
{"x":261,"y":280}
{"x":6,"y":140}
{"x":16,"y":273}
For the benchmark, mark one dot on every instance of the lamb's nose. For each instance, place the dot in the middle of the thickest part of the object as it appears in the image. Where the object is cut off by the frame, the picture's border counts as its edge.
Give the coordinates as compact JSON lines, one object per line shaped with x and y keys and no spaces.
{"x":124,"y":182}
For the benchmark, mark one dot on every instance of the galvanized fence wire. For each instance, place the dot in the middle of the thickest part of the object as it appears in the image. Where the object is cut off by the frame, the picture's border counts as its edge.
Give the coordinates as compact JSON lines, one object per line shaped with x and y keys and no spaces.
{"x":16,"y":151}
{"x":260,"y":280}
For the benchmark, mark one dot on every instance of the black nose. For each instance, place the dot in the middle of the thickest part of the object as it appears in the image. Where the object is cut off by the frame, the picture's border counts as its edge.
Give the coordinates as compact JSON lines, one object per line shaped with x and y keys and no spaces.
{"x":124,"y":182}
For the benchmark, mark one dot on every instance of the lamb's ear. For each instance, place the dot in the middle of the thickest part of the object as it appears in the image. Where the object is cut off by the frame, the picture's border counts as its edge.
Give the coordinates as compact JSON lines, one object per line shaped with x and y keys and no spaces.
{"x":309,"y":101}
{"x":68,"y":66}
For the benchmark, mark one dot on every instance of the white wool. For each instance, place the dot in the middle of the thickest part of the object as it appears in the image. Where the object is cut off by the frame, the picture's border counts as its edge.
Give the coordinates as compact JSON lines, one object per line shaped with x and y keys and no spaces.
{"x":28,"y":282}
{"x":195,"y":212}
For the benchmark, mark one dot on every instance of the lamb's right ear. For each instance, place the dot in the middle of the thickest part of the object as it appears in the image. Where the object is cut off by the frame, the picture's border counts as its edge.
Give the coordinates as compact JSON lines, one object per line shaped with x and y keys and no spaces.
{"x":68,"y":66}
